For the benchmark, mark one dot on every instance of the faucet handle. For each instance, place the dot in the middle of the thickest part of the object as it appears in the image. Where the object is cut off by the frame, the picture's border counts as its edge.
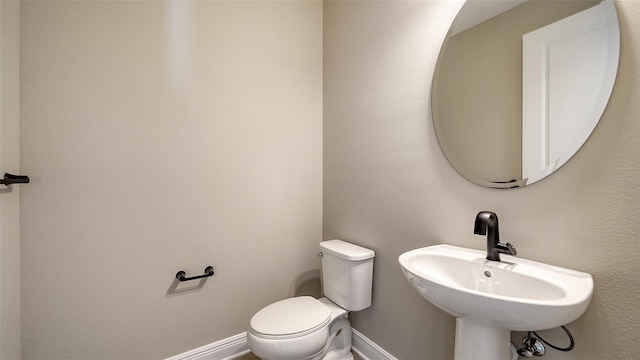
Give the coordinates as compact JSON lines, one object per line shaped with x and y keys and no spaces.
{"x":507,"y":248}
{"x":512,"y":249}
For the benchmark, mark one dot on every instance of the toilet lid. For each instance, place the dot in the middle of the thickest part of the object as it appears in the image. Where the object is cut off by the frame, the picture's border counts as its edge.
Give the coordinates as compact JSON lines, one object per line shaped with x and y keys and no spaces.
{"x":291,"y":316}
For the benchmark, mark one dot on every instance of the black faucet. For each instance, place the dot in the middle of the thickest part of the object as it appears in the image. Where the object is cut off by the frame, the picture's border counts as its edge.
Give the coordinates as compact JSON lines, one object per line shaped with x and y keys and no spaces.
{"x":487,"y":224}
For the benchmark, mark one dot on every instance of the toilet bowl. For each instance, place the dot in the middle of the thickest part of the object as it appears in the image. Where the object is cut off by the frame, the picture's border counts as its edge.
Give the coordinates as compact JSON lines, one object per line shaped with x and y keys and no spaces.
{"x":304,"y":328}
{"x":301,"y":328}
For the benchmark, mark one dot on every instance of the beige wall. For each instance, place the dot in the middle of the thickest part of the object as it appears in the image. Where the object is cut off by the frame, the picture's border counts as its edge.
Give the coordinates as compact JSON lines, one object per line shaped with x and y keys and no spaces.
{"x":149,"y":155}
{"x":165,"y":136}
{"x":388,"y":186}
{"x":9,"y":197}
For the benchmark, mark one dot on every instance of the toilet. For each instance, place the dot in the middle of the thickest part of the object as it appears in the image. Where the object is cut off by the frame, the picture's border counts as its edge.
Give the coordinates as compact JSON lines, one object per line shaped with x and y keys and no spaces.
{"x":305,"y":328}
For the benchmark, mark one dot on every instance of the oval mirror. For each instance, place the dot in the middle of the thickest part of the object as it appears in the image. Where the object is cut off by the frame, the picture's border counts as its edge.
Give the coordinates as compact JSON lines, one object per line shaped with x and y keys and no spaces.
{"x":520,"y":85}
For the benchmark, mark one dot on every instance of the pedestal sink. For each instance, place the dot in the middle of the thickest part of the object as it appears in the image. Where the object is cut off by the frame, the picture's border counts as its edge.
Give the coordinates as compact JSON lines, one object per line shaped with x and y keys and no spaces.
{"x":491,"y":298}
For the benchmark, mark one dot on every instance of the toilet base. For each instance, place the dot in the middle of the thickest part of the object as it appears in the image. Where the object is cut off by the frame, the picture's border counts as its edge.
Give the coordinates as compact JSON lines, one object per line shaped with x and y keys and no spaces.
{"x":340,"y":341}
{"x":347,"y":357}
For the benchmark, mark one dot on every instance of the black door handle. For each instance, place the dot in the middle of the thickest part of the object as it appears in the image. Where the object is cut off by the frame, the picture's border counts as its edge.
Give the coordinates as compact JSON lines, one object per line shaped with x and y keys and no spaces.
{"x":14,"y":179}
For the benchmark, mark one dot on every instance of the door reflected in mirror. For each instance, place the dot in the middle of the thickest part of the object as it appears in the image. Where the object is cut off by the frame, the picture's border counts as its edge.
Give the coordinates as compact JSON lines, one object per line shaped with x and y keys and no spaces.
{"x":520,"y":85}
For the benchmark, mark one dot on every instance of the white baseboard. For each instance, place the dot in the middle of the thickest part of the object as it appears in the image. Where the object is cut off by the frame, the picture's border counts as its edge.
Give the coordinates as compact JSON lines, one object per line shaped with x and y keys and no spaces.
{"x":225,"y":349}
{"x":235,"y":346}
{"x":367,"y":349}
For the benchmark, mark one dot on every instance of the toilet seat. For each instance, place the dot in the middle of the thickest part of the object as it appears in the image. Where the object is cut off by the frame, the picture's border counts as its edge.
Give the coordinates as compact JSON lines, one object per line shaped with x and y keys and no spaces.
{"x":290,"y":318}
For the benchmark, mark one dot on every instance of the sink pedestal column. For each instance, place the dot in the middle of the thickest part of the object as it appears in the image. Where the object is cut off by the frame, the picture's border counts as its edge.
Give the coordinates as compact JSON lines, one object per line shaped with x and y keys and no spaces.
{"x":476,"y":341}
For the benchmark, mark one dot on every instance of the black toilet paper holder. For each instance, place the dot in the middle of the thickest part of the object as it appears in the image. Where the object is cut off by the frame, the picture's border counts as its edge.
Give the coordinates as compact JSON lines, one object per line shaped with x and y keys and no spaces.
{"x":182,"y":276}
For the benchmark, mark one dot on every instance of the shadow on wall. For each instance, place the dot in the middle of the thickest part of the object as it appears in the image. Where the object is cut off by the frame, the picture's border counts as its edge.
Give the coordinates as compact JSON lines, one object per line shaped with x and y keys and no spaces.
{"x":308,"y":283}
{"x":178,"y":287}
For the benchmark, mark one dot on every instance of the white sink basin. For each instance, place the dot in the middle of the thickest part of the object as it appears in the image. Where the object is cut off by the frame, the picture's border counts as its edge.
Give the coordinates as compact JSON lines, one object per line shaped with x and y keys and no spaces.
{"x":491,"y":298}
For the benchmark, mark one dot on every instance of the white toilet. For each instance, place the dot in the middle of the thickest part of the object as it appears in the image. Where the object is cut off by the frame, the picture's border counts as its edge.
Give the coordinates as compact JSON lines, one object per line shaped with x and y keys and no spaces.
{"x":304,"y":328}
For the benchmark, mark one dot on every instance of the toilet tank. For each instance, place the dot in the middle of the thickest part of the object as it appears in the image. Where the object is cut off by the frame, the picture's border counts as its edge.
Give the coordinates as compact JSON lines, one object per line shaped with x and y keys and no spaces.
{"x":347,"y":274}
